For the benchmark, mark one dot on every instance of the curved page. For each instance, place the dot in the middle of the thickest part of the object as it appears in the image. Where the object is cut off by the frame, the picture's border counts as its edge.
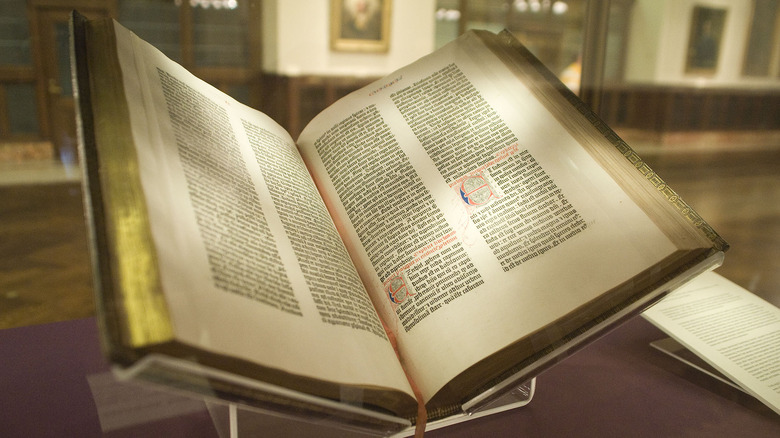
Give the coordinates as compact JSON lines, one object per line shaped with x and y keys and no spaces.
{"x":474,"y":217}
{"x":250,"y":262}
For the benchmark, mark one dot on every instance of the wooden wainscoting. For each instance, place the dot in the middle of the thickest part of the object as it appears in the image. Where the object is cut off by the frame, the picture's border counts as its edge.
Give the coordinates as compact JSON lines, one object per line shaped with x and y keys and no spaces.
{"x":662,"y":109}
{"x":656,"y":110}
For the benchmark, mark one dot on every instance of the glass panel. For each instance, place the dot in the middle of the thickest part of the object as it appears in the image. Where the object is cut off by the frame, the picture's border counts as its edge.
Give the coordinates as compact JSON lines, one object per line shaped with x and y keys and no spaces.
{"x":491,"y":15}
{"x":220,"y":35}
{"x":762,"y":39}
{"x":155,"y":21}
{"x":62,"y":40}
{"x":551,"y":29}
{"x":617,"y":31}
{"x":21,"y":110}
{"x":713,"y":137}
{"x":447,"y":21}
{"x":14,"y":33}
{"x":647,"y":93}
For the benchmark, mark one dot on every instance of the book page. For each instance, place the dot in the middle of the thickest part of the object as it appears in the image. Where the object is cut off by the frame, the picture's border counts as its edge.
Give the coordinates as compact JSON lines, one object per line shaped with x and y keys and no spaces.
{"x":473,"y":216}
{"x":250,"y":262}
{"x":733,"y":330}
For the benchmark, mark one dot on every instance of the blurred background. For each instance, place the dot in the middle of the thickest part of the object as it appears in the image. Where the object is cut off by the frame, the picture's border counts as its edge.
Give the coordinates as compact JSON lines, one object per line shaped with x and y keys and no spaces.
{"x":692,"y":85}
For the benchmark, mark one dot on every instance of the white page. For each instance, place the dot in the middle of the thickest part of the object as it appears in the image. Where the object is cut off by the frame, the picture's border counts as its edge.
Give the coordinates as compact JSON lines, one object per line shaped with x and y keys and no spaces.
{"x":619,"y":242}
{"x":733,"y":330}
{"x":213,"y":319}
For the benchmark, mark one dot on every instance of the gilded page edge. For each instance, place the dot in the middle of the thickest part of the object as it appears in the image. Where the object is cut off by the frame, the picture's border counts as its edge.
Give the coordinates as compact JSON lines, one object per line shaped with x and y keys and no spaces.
{"x":135,"y":270}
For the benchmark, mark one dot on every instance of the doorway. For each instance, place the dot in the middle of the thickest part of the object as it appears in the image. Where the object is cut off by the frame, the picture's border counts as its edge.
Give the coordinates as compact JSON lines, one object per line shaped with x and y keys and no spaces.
{"x":50,"y":39}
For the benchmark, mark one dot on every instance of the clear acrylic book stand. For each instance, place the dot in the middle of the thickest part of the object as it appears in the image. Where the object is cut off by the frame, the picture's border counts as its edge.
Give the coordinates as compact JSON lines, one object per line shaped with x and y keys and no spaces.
{"x":240,"y":406}
{"x":268,"y":410}
{"x":232,"y":420}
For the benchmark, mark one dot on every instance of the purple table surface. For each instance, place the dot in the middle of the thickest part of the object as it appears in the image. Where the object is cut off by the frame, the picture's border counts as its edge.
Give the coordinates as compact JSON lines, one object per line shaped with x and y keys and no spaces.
{"x":616,"y":387}
{"x":44,"y":390}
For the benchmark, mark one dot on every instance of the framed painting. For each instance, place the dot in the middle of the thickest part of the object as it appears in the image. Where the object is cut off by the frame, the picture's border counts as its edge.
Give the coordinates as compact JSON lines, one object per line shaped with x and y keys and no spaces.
{"x":360,"y":25}
{"x":705,"y":38}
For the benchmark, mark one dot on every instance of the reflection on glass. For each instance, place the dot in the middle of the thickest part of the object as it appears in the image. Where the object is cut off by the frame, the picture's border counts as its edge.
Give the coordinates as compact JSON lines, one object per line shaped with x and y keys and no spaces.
{"x":762,"y":39}
{"x":448,"y":17}
{"x":220,"y":33}
{"x":14,"y":33}
{"x":617,"y":36}
{"x":551,"y":29}
{"x":22,"y":113}
{"x":62,"y":40}
{"x":154,"y":21}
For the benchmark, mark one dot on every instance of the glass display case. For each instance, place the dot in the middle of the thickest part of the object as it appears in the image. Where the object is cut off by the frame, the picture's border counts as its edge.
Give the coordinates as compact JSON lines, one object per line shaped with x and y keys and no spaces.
{"x":708,"y":126}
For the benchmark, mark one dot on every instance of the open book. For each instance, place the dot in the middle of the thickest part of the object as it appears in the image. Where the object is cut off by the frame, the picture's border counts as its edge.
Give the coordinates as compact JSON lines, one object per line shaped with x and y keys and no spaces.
{"x":460,"y":222}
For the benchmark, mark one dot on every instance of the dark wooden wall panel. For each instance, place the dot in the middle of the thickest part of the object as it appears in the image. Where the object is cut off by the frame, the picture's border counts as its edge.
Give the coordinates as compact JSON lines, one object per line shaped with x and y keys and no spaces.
{"x":661,"y":109}
{"x":294,"y":101}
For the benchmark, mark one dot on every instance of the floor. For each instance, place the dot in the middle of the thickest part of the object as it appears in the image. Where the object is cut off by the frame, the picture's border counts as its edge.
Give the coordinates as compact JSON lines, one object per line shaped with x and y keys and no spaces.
{"x":44,"y":262}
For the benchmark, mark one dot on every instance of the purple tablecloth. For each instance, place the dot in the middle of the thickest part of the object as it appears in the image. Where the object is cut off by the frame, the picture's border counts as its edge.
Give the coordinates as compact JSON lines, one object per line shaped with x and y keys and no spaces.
{"x":617,"y":386}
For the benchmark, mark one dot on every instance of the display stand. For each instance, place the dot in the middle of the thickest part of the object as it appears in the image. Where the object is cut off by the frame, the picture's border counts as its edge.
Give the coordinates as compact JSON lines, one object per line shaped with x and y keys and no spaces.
{"x":243,"y":407}
{"x":232,"y":420}
{"x":676,"y":350}
{"x":240,"y":405}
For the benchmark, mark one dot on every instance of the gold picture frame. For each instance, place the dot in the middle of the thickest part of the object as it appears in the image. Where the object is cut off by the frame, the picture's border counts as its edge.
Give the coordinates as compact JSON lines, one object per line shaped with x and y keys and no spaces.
{"x":706,"y":33}
{"x":360,"y":25}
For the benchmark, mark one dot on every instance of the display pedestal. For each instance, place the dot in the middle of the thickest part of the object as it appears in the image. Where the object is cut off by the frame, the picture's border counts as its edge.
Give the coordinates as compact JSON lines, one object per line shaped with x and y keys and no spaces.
{"x":241,"y":406}
{"x":234,"y":420}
